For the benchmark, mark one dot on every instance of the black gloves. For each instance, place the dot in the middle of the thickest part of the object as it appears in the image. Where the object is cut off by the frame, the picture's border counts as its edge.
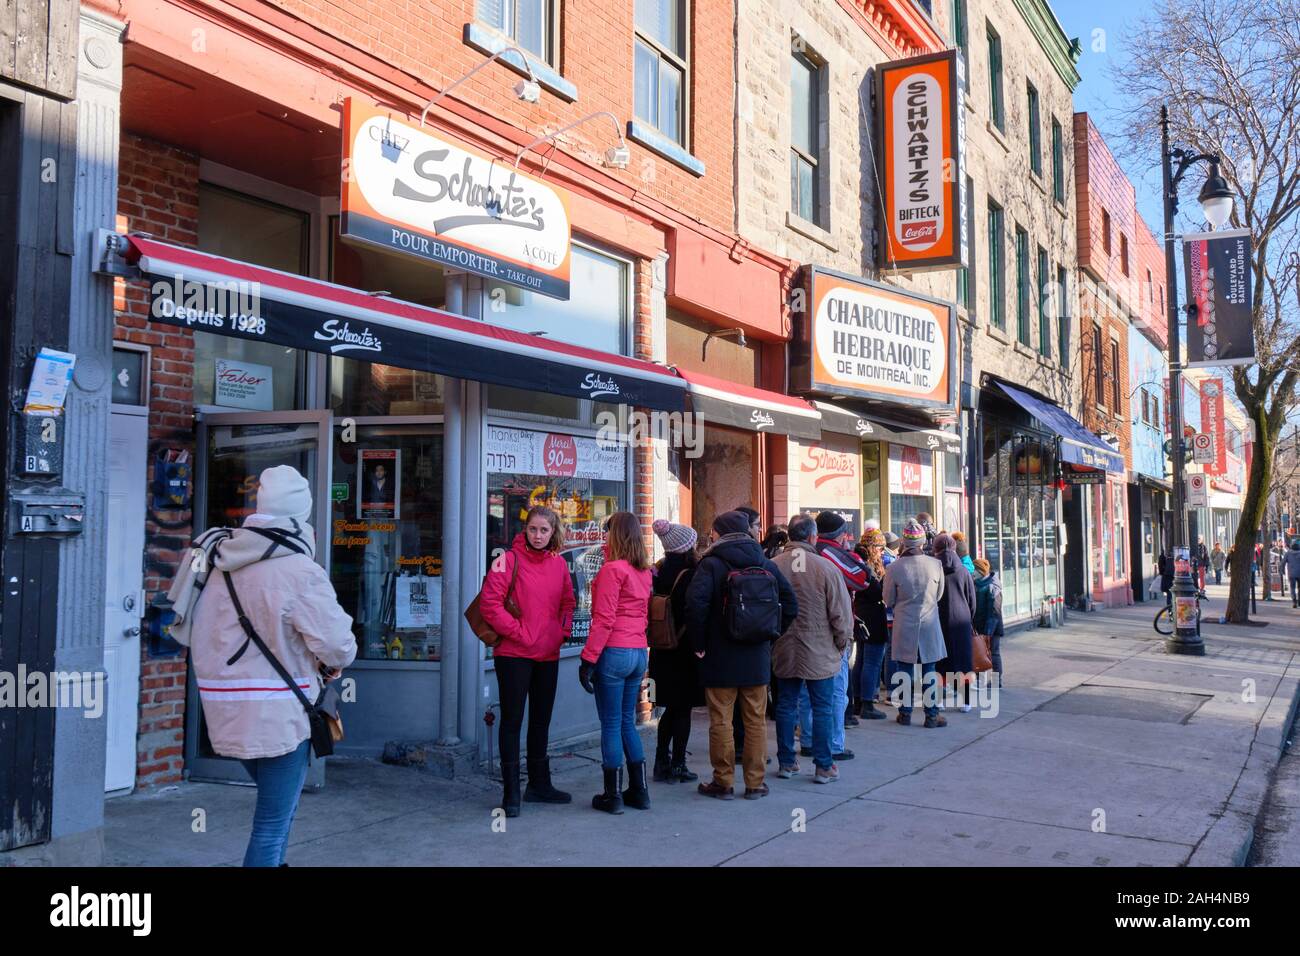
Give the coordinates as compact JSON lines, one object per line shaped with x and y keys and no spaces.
{"x":585,"y":670}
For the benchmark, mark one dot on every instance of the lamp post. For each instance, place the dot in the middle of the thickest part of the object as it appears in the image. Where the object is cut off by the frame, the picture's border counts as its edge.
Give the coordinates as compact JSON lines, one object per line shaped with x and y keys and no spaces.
{"x":1216,"y":203}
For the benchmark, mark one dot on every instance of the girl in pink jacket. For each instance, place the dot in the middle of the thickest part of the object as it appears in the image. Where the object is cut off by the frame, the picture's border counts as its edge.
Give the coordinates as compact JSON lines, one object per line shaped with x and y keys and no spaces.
{"x":536,"y":579}
{"x":614,"y":660}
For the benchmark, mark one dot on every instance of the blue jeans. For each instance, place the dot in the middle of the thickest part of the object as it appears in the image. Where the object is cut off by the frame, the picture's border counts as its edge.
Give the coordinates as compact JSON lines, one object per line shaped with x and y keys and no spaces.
{"x":279,"y":785}
{"x":618,"y":688}
{"x":788,"y":693}
{"x":839,"y":703}
{"x":898,"y":667}
{"x":805,"y":717}
{"x":873,"y":657}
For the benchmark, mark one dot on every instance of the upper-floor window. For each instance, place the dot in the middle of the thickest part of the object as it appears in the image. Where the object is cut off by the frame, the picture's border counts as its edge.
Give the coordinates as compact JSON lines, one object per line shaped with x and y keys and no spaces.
{"x":1098,"y":368}
{"x":960,"y":36}
{"x":997,"y":109}
{"x":1063,"y":314}
{"x":1035,"y":131}
{"x":1044,"y":300}
{"x":805,"y":136}
{"x":529,"y":23}
{"x":1151,"y":290}
{"x":1116,"y":403}
{"x":1105,"y":232}
{"x":1123,"y":253}
{"x":661,"y":66}
{"x":997,"y":267}
{"x":1023,"y":282}
{"x":1058,"y":162}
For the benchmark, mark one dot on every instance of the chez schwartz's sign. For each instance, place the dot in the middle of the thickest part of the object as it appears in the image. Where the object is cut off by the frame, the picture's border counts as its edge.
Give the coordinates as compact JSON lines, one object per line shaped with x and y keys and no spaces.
{"x":407,"y":191}
{"x":922,"y":145}
{"x":865,"y":339}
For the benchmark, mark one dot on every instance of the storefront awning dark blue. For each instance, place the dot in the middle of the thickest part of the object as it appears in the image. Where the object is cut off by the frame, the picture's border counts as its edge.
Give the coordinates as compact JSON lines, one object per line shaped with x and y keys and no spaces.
{"x":1078,"y":445}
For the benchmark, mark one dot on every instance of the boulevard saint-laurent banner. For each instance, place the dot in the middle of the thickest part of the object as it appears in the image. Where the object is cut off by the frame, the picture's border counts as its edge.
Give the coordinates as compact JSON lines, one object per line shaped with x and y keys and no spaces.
{"x":1217,"y":266}
{"x":408,"y":191}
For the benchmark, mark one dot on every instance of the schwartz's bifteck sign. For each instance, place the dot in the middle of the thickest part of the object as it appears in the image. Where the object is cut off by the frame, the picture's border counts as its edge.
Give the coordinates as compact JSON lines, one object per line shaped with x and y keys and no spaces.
{"x":867,"y":339}
{"x":921,"y":146}
{"x":406,"y":190}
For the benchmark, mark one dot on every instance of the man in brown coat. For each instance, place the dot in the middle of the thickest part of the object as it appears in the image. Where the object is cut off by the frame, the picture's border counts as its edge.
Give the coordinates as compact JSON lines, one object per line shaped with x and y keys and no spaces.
{"x":811,"y":650}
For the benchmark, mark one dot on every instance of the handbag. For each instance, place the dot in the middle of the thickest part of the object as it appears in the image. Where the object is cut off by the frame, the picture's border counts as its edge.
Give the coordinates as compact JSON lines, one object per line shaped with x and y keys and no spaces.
{"x":474,"y":613}
{"x":663,"y":632}
{"x":323,"y":719}
{"x":981,"y":652}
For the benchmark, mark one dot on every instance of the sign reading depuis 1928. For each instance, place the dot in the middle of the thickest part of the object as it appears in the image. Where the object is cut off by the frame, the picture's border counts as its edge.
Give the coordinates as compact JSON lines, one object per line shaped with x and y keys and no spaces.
{"x":862,"y":338}
{"x":407,"y":191}
{"x":921,"y":133}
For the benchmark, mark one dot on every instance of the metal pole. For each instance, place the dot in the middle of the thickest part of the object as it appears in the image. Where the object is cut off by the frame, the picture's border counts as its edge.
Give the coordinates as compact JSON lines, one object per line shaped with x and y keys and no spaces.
{"x":1186,"y":638}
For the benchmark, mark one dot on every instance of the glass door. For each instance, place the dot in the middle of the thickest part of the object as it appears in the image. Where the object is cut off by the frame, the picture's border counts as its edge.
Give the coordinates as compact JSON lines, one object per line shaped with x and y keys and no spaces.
{"x":233,"y":450}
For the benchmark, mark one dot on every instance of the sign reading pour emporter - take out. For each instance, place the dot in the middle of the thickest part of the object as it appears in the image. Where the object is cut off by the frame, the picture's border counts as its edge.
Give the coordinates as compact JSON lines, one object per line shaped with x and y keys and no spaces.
{"x":867,"y":339}
{"x":408,"y":191}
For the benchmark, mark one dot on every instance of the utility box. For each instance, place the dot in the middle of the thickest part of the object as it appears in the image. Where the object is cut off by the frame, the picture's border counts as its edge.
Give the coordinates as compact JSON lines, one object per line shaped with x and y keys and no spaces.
{"x":54,"y":511}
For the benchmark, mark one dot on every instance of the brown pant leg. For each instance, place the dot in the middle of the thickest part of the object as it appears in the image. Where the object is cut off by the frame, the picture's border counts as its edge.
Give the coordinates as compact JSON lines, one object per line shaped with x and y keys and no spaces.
{"x":753,"y":711}
{"x":722,"y":742}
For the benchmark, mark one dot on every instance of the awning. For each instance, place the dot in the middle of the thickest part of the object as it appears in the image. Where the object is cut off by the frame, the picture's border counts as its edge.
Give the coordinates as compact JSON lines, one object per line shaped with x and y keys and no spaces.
{"x":756,"y":409}
{"x":845,"y":421}
{"x":1156,"y":484}
{"x":1078,"y":445}
{"x":196,"y":290}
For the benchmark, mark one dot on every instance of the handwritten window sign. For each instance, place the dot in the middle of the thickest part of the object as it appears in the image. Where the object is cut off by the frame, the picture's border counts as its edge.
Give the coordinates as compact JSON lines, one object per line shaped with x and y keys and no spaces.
{"x":243,"y":385}
{"x":520,"y":451}
{"x":408,"y":191}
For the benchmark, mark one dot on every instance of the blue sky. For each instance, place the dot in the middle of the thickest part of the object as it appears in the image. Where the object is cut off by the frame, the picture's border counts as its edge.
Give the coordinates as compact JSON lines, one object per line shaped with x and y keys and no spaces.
{"x":1101,"y":26}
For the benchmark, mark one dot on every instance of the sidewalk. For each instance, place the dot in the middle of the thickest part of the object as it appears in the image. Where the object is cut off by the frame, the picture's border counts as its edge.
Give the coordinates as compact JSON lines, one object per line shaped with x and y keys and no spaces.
{"x":1106,"y":751}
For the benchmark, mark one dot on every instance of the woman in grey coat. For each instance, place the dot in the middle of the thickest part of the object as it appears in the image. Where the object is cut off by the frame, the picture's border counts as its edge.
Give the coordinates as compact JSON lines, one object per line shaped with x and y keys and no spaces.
{"x":914,"y":583}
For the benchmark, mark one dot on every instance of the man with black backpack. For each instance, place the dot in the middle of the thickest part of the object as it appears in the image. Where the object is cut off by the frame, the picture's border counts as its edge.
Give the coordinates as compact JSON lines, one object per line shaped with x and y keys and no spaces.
{"x":737,"y":605}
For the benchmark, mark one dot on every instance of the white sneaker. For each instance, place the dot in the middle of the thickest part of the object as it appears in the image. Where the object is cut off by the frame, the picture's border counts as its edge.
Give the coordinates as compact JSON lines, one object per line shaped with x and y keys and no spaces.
{"x":965,"y":708}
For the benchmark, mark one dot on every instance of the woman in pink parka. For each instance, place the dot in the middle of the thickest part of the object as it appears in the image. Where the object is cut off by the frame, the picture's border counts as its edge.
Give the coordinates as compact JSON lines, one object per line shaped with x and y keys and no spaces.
{"x":527,"y":659}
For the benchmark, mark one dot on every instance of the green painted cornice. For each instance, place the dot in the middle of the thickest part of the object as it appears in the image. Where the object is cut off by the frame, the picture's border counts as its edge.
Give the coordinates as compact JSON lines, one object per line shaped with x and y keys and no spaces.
{"x":1061,"y":51}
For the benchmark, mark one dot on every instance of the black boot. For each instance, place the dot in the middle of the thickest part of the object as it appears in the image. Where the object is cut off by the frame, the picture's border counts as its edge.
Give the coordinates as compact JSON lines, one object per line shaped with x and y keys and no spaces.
{"x":869,"y":711}
{"x":611,"y":801}
{"x":681,"y":772}
{"x":663,"y":770}
{"x":637,"y":793}
{"x":510,"y":785}
{"x":539,"y":789}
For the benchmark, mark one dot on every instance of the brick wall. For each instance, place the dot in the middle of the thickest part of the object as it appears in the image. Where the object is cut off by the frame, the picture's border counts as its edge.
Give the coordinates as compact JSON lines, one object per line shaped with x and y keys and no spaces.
{"x":158,"y":194}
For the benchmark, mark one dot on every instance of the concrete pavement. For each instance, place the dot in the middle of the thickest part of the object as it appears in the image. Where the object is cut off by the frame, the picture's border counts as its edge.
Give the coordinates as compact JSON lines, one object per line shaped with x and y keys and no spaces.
{"x":1105,"y":751}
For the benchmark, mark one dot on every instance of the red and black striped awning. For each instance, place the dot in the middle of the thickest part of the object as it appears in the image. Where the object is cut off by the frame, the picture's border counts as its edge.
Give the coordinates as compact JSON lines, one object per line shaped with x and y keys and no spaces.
{"x":755,"y":409}
{"x":197,"y":290}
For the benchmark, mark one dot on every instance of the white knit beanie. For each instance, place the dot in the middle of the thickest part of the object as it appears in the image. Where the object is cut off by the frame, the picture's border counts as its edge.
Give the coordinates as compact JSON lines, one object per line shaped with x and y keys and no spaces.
{"x":283,"y":493}
{"x":676,"y":538}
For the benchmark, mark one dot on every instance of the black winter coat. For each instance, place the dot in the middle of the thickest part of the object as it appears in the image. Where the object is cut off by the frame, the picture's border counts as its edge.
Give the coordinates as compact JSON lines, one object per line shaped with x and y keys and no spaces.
{"x":956,"y":610}
{"x":727,"y":663}
{"x":676,"y":673}
{"x":869,"y":606}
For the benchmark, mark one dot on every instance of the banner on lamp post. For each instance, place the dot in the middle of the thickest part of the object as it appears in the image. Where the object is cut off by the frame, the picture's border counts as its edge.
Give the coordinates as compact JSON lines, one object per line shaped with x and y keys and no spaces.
{"x":1219,"y":328}
{"x":1212,"y":425}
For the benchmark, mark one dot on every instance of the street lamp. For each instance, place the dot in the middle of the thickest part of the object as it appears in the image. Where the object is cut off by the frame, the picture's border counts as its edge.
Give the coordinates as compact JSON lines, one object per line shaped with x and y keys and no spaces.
{"x":1216,"y":203}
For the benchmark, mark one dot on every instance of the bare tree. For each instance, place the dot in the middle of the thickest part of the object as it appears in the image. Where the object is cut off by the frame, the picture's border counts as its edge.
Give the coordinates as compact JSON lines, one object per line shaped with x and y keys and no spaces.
{"x":1229,"y":72}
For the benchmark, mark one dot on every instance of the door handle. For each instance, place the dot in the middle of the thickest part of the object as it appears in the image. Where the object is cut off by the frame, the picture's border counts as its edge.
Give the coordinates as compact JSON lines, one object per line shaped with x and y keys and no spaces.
{"x":132,"y":631}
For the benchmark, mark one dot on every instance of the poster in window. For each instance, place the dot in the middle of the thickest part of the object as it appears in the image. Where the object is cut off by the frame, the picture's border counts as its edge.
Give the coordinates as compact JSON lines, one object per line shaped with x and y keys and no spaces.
{"x":419,"y":601}
{"x":379,"y":476}
{"x":910,"y":471}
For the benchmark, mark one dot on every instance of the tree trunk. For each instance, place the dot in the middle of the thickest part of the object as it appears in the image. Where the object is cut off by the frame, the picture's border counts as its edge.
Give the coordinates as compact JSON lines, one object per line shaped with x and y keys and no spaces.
{"x":1253,"y":508}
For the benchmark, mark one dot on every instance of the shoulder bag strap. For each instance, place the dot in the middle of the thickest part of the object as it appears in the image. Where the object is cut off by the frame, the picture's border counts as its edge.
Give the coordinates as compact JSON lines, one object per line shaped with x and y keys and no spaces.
{"x":247,"y":625}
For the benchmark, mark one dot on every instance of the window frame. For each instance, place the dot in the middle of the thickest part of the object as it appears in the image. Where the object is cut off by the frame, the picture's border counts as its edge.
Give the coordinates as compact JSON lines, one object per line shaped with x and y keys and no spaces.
{"x":1024,"y":334}
{"x":961,"y":37}
{"x":1034,"y":120}
{"x":1044,"y":278}
{"x":997,"y":97}
{"x":1117,"y":398}
{"x":996,"y":227}
{"x":1123,"y":253}
{"x":1058,"y":161}
{"x":682,"y":62}
{"x":1063,"y":314}
{"x":550,"y":32}
{"x":820,"y":210}
{"x":1105,"y":231}
{"x":1098,"y":368}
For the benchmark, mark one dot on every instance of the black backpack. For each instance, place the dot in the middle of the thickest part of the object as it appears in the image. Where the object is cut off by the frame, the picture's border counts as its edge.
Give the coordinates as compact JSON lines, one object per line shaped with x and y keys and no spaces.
{"x":751,"y":606}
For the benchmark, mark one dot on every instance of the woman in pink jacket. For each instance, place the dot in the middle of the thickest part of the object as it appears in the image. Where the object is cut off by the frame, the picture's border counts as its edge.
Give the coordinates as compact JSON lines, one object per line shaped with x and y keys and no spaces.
{"x":527,"y":659}
{"x":615,"y":656}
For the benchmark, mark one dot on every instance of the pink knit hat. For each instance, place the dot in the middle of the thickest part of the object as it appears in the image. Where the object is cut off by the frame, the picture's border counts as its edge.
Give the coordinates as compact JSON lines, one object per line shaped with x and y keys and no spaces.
{"x":675,"y":537}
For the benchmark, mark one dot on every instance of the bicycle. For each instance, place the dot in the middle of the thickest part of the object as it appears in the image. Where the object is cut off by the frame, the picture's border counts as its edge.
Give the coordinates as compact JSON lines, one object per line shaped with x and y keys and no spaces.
{"x":1164,"y":622}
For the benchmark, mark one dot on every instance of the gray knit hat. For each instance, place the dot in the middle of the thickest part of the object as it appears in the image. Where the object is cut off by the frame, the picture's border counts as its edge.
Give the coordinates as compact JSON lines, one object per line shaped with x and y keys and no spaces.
{"x":675,"y":537}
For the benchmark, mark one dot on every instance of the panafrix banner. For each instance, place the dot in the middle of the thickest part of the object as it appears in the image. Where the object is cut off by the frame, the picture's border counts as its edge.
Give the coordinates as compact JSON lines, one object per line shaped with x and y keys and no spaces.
{"x":1219,"y":330}
{"x":921,"y":129}
{"x":408,"y":191}
{"x":863,"y":338}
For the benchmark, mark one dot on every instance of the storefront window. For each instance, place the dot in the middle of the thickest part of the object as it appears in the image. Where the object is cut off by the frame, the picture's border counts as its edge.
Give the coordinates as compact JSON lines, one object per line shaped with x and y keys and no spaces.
{"x":573,"y":475}
{"x":237,"y":373}
{"x":870,"y":481}
{"x":1007,"y":526}
{"x":1119,"y":541}
{"x":990,"y":536}
{"x":361,"y":388}
{"x":722,"y":477}
{"x":911,"y":485}
{"x":386,"y":539}
{"x":595,"y":314}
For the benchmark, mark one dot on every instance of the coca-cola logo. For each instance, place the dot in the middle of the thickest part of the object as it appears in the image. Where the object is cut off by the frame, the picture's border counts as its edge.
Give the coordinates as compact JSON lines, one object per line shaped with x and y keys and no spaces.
{"x":560,"y":455}
{"x":914,"y":232}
